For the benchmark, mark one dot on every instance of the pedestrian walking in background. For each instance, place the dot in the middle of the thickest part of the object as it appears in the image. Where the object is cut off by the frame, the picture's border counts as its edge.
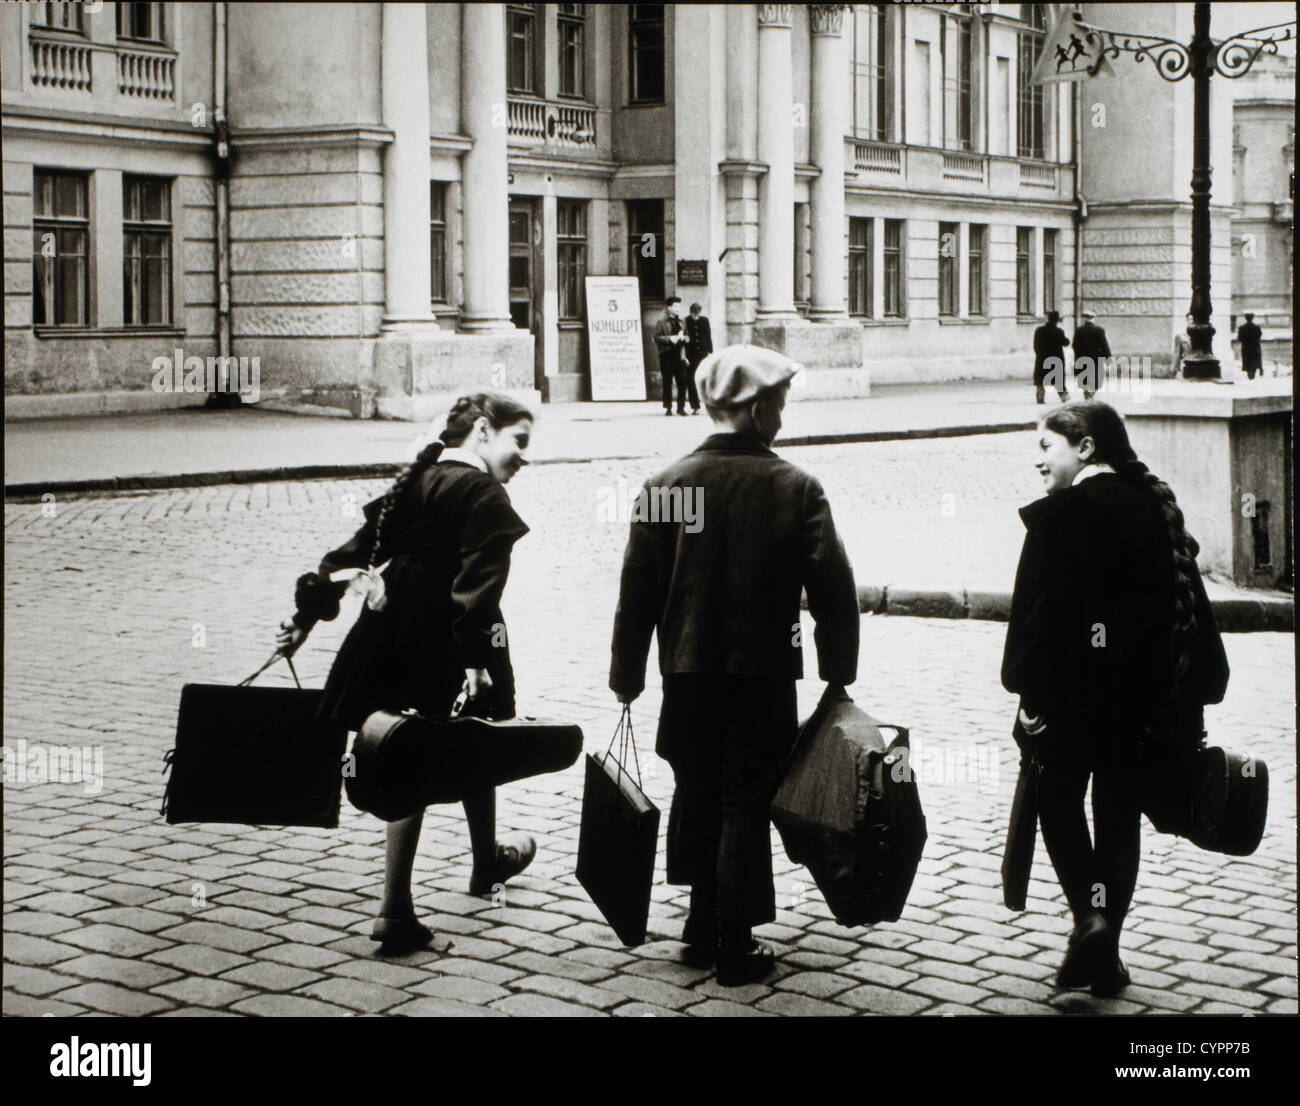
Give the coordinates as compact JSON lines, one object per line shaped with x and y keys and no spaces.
{"x":1182,"y":347}
{"x":699,"y":344}
{"x":670,"y":341}
{"x":1248,"y":334}
{"x":1049,"y":356}
{"x":432,"y":621}
{"x":1091,"y":351}
{"x":723,"y":599}
{"x":1111,"y":644}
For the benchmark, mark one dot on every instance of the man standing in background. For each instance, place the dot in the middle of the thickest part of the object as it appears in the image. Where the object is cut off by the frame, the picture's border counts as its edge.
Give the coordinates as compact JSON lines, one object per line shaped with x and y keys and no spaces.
{"x":1091,"y":351}
{"x":699,"y":344}
{"x":670,"y":341}
{"x":1049,"y":356}
{"x":1252,"y":359}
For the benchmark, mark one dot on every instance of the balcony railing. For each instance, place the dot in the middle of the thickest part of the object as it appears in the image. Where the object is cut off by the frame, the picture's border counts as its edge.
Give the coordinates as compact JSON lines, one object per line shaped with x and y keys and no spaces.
{"x":59,"y":64}
{"x":1036,"y":175}
{"x":547,"y":123}
{"x":146,"y":76}
{"x":960,"y":166}
{"x":879,"y":157}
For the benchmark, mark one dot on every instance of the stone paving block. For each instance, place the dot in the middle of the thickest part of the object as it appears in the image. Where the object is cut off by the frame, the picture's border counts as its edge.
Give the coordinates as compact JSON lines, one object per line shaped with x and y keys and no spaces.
{"x":270,"y":977}
{"x":1217,"y":993}
{"x":444,"y":1008}
{"x":372,"y":998}
{"x":650,"y":992}
{"x":301,"y":956}
{"x":814,"y":961}
{"x":138,"y":918}
{"x":125,"y":971}
{"x":204,"y":991}
{"x":1163,"y":998}
{"x":1225,"y":1009}
{"x":938,"y":950}
{"x":331,"y":916}
{"x":947,"y":991}
{"x":229,"y":938}
{"x":894,"y":957}
{"x":72,"y":884}
{"x":20,"y":948}
{"x":289,"y":1006}
{"x":1018,"y":1007}
{"x":528,"y":939}
{"x":958,"y":973}
{"x":721,"y":1008}
{"x":36,"y":981}
{"x":1283,"y":1006}
{"x":749,"y":993}
{"x":1004,"y":965}
{"x":323,"y":896}
{"x":64,"y":903}
{"x":499,"y":972}
{"x":568,"y":990}
{"x":542,"y":1006}
{"x":381,"y":971}
{"x":111,"y":999}
{"x":644,"y":1010}
{"x":478,"y":948}
{"x":127,"y":894}
{"x":1285,"y":987}
{"x":815,"y":984}
{"x":197,"y":1012}
{"x":221,"y":914}
{"x":597,"y":958}
{"x":460,"y":988}
{"x":871,"y":998}
{"x":876,"y":974}
{"x":198,"y":959}
{"x":1220,"y":974}
{"x":37,"y":924}
{"x":1018,"y":987}
{"x":793,"y":1005}
{"x":1269,"y":965}
{"x":28,"y":1006}
{"x":1181,"y":951}
{"x":670,"y":972}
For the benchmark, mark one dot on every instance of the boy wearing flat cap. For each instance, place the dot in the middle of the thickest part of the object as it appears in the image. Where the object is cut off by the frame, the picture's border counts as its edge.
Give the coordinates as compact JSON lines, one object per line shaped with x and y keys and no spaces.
{"x":723,"y":598}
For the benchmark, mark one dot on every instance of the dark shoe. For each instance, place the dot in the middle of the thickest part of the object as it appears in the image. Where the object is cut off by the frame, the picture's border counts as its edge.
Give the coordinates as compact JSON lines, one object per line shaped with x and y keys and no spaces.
{"x":399,"y":933}
{"x":736,"y":971}
{"x":1110,"y":979}
{"x":668,"y":411}
{"x":514,"y":854}
{"x":1087,"y":946}
{"x":695,"y":410}
{"x":699,"y":956}
{"x":682,"y":413}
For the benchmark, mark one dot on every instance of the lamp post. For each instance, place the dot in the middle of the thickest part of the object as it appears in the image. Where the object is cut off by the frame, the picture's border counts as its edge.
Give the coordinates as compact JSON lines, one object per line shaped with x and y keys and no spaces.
{"x":1075,"y":50}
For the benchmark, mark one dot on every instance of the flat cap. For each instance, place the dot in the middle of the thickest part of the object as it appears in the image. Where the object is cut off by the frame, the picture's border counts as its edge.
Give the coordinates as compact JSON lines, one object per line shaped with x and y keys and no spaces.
{"x":1088,"y":314}
{"x":736,"y":375}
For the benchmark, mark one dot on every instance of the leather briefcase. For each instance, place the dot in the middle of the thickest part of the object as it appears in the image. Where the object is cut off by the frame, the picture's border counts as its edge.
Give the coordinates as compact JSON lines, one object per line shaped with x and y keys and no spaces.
{"x":254,"y":756}
{"x":618,"y":838}
{"x":401,"y":763}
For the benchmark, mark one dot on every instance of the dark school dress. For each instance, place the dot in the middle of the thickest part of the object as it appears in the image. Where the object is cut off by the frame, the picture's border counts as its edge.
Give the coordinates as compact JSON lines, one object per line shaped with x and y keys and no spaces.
{"x":448,"y":541}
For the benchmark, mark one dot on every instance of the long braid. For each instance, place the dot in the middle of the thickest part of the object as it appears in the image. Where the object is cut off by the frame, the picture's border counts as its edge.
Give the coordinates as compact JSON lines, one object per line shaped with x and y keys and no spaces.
{"x":426,"y":457}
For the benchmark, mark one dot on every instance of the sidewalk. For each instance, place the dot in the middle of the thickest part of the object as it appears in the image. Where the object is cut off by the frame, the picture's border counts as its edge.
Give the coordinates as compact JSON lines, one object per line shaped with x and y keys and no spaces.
{"x":196,"y":447}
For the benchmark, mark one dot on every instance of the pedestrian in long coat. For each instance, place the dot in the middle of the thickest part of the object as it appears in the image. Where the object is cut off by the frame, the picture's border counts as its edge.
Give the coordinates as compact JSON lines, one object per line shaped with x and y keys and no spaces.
{"x":670,"y":343}
{"x":1252,"y":359}
{"x":1112,"y":647}
{"x":432,"y":623}
{"x":722,"y":593}
{"x":1049,"y":357}
{"x":1091,"y":351}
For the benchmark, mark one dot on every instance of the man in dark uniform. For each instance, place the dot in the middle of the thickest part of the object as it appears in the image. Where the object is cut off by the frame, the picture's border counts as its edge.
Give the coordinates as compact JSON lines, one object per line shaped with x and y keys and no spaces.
{"x":1252,"y":359}
{"x":1091,"y":351}
{"x":723,"y":597}
{"x":670,"y":341}
{"x":1049,"y":356}
{"x":699,"y":344}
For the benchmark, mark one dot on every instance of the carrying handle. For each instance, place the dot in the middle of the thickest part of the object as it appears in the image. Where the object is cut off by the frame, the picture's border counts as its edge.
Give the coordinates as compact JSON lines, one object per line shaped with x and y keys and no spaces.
{"x":624,"y":735}
{"x":274,"y":657}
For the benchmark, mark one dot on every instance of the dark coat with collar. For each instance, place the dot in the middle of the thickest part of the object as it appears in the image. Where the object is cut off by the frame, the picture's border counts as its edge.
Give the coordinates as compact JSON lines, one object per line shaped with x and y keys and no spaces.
{"x":699,"y":338}
{"x":725,"y":600}
{"x":1049,"y":342}
{"x":1090,"y":342}
{"x":1089,"y":631}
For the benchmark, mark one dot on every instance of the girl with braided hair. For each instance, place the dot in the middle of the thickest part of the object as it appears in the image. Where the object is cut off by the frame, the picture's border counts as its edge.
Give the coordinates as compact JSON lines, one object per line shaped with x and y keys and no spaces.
{"x":431,"y":623}
{"x":1111,"y":646}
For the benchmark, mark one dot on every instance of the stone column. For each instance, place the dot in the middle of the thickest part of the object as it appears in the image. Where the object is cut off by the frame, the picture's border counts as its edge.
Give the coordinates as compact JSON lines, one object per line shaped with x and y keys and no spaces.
{"x":831,"y":97}
{"x":404,"y":89}
{"x":776,"y":149}
{"x":484,"y":168}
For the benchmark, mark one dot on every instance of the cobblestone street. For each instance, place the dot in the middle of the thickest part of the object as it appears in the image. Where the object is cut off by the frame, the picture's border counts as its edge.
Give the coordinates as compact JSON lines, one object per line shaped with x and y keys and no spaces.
{"x":114,"y":603}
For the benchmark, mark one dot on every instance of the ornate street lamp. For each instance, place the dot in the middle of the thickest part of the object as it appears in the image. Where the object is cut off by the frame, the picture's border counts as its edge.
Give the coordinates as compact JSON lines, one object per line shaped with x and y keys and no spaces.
{"x":1075,"y":50}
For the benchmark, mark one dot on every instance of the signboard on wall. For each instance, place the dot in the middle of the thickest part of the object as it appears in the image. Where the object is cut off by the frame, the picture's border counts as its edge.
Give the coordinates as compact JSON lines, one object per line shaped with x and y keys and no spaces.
{"x":692,"y":272}
{"x":614,"y":331}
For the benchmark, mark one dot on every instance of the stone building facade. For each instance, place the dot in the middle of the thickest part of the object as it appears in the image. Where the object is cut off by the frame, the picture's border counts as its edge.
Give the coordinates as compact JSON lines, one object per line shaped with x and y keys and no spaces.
{"x":389,"y":203}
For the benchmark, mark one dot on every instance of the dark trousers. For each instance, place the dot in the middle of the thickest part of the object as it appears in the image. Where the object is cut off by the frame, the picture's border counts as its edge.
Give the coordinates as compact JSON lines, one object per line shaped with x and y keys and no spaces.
{"x":1099,"y":872}
{"x":727,"y":739}
{"x":691,"y":394}
{"x":672,"y":370}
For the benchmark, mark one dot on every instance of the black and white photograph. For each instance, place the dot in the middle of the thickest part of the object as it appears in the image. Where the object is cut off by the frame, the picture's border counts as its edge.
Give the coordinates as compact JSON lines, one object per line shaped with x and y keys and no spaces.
{"x":646,"y":511}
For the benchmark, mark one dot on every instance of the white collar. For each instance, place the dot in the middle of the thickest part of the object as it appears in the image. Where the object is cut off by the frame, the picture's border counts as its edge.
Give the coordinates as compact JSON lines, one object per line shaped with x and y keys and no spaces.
{"x":464,"y":456}
{"x":1087,"y":472}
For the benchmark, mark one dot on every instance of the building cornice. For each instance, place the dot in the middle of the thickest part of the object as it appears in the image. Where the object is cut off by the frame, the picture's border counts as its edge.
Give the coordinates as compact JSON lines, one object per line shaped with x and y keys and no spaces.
{"x":962,"y":199}
{"x":48,"y":123}
{"x":600,"y":170}
{"x":347,"y":134}
{"x":644,"y":172}
{"x":742,"y":166}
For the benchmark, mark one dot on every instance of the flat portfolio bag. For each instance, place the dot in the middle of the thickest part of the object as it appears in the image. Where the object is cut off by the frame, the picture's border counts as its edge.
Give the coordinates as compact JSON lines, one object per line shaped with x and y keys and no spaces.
{"x":848,"y":810}
{"x":1216,"y":799}
{"x":254,"y":756}
{"x":617,"y":839}
{"x":1022,"y":829}
{"x":402,"y":763}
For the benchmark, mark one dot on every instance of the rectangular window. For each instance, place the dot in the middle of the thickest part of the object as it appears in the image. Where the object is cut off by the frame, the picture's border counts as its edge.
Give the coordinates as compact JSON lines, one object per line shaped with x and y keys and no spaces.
{"x":571,"y":249}
{"x":438,"y":241}
{"x":957,"y":64}
{"x":873,"y":72}
{"x":895,"y":304}
{"x":572,"y":23}
{"x":60,"y":248}
{"x":861,"y":288}
{"x":1031,"y":132}
{"x":948,"y":250}
{"x":1024,"y":247}
{"x":975,"y":267}
{"x":59,"y":17}
{"x":147,"y":251}
{"x":1049,"y":270}
{"x":140,"y":22}
{"x":645,"y":38}
{"x":645,"y":246}
{"x":521,"y":48}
